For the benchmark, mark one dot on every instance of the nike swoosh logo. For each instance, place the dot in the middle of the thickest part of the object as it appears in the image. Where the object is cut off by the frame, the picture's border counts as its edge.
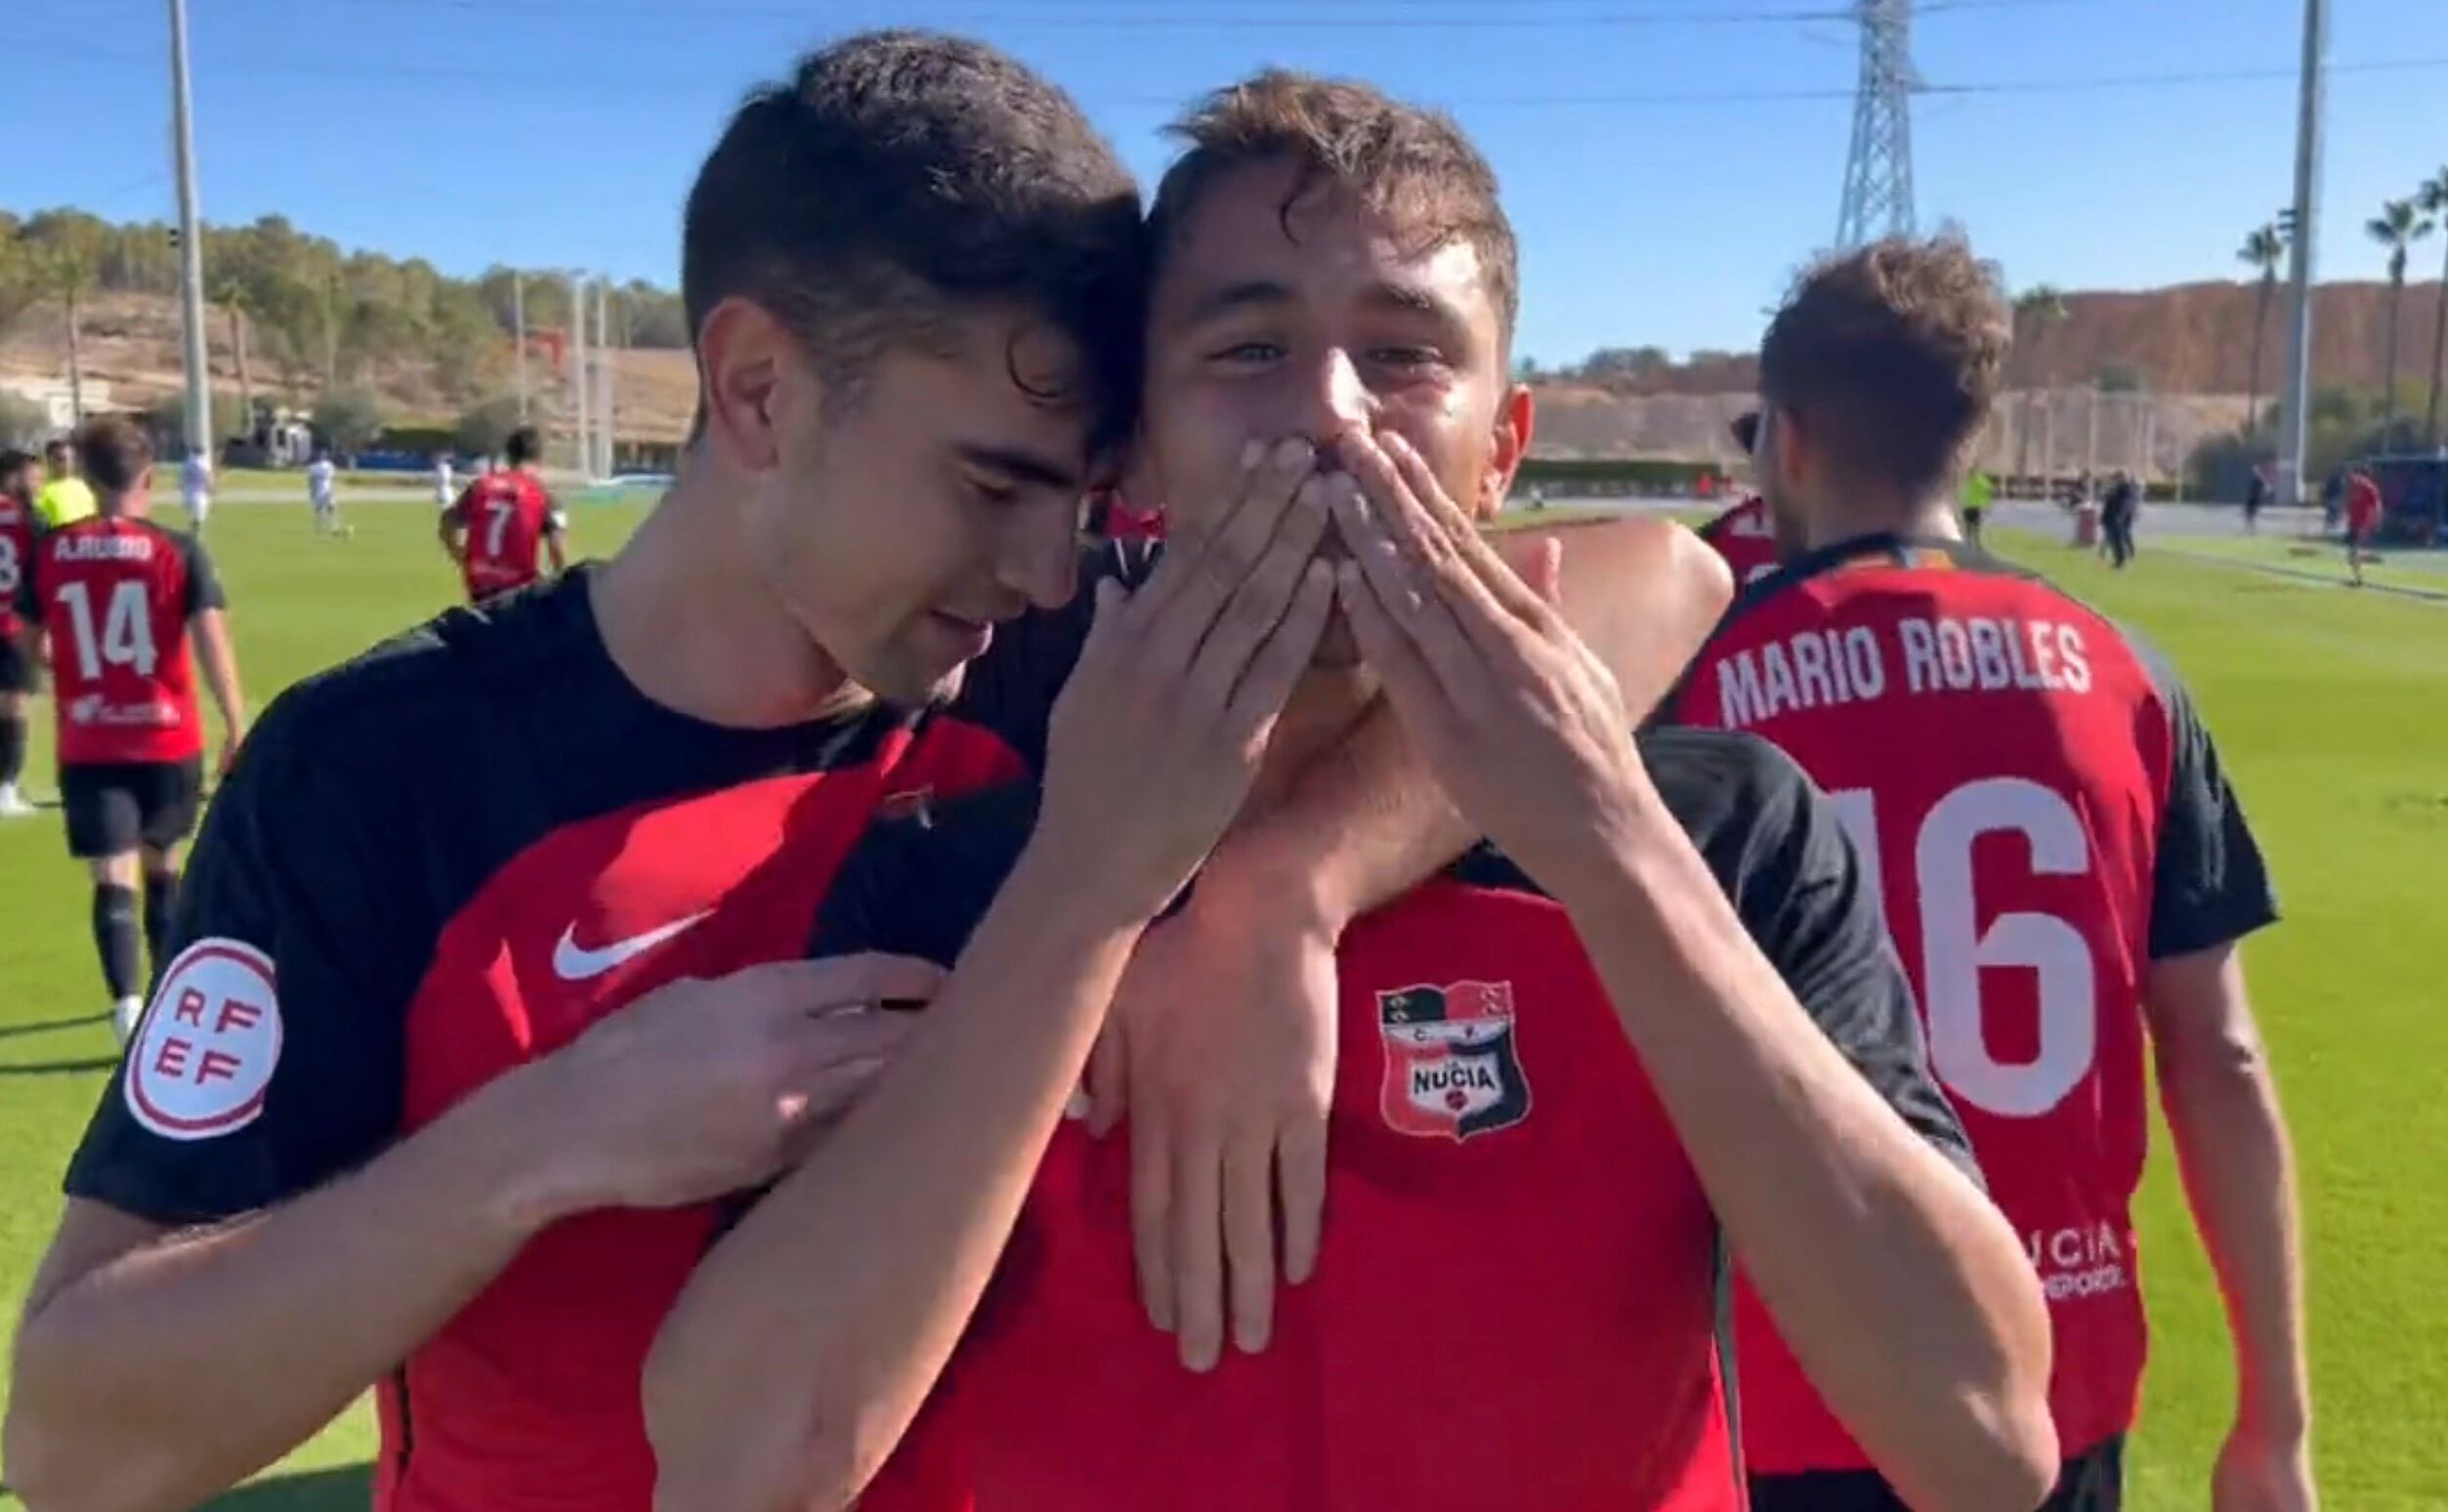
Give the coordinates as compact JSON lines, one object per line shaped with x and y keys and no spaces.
{"x":570,"y":964}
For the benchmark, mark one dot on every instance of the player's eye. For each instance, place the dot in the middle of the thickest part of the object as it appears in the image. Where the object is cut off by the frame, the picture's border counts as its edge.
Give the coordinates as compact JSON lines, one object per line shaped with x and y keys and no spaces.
{"x":994,"y":491}
{"x":1248,"y":354}
{"x":1407,"y":358}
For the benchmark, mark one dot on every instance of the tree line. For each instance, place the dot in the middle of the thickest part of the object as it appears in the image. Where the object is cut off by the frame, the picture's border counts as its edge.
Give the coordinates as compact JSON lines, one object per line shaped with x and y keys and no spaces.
{"x":299,"y":312}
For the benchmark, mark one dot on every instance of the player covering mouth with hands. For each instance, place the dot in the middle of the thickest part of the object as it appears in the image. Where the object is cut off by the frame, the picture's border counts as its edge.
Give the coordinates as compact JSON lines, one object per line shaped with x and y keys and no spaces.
{"x":1658,"y":1014}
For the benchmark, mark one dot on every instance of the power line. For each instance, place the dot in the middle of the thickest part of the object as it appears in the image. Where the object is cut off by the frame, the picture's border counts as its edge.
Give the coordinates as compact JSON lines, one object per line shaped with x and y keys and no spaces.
{"x":535,"y":84}
{"x":1306,"y":19}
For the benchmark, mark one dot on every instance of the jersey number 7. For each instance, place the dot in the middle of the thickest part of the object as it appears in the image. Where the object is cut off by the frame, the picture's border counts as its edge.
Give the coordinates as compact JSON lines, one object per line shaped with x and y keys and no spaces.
{"x":1955,"y":951}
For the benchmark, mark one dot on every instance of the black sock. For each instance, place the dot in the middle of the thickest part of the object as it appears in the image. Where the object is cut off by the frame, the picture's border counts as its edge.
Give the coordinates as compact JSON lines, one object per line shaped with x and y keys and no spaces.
{"x":161,"y":899}
{"x":11,"y":748}
{"x":116,"y":937}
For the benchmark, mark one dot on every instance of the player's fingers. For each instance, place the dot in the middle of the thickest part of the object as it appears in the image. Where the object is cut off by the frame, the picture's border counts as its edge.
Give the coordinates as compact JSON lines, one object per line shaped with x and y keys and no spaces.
{"x":1152,"y":1217}
{"x":1439,"y":511}
{"x":1256,"y":618}
{"x":813,"y":1108}
{"x":1418,"y":697}
{"x":1399,"y":516}
{"x":1249,"y":1239}
{"x":845,"y":980}
{"x":1400,"y":582}
{"x":1211,"y":576}
{"x":1300,"y":1189}
{"x":1108,"y":1079}
{"x":1286,"y":656}
{"x":1198,"y":1240}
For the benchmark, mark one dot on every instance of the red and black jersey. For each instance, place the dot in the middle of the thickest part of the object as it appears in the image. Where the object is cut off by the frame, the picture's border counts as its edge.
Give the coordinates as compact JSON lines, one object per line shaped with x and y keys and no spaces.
{"x":2048,"y":817}
{"x":1518,"y":1297}
{"x":18,"y":527}
{"x":116,"y":596}
{"x":447,"y":859}
{"x":1744,"y":536}
{"x":505,"y":516}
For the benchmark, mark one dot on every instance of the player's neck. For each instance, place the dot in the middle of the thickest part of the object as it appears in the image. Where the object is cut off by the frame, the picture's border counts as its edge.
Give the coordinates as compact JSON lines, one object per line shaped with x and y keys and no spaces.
{"x":692,"y":629}
{"x":1928,"y":519}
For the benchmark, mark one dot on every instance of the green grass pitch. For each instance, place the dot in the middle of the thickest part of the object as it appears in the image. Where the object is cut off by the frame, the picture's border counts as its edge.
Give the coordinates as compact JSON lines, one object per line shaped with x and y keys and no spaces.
{"x":2331,"y":708}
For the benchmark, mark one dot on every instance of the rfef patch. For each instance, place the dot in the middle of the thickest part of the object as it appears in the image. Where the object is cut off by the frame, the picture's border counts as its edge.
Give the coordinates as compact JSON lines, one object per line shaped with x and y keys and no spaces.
{"x":203,"y":1057}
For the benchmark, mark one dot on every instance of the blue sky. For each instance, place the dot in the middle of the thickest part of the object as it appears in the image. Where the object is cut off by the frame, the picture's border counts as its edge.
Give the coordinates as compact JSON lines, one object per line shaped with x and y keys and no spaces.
{"x":1666,"y":162}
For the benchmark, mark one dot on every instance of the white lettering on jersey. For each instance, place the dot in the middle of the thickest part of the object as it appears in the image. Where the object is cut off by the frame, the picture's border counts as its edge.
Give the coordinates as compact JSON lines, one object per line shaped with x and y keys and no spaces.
{"x":204,"y":1055}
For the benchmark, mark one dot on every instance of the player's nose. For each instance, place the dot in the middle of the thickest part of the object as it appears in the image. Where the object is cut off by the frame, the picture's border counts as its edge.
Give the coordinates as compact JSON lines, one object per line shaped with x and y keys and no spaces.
{"x":1334,"y":401}
{"x":1039,"y":559}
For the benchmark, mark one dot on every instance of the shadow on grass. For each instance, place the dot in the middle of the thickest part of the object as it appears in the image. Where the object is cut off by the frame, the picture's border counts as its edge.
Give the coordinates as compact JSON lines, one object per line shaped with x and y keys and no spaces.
{"x":61,"y":1068}
{"x":348,"y":1490}
{"x":47,"y":1025}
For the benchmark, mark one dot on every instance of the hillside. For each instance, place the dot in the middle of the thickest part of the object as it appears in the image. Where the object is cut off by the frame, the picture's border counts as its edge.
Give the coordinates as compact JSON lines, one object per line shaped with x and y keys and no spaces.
{"x":2189,"y":344}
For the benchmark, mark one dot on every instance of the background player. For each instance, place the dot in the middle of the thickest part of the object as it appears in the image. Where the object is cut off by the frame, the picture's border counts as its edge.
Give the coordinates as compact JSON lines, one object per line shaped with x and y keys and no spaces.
{"x":2363,"y":513}
{"x":1742,"y":533}
{"x":501,"y":528}
{"x":19,"y":672}
{"x":322,"y":493}
{"x":118,"y":596}
{"x":1517,"y":1212}
{"x":195,"y":489}
{"x":2064,"y":863}
{"x":65,"y":497}
{"x":446,"y":483}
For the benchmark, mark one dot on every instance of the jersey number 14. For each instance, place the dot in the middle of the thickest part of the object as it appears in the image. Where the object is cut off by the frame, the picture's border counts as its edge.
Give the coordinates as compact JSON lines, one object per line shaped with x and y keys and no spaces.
{"x":1955,"y":950}
{"x":127,"y":629}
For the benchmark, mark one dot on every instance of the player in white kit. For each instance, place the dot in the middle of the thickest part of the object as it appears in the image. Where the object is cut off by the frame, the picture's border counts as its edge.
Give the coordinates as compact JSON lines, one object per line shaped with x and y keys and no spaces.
{"x":322,"y":483}
{"x":195,"y":489}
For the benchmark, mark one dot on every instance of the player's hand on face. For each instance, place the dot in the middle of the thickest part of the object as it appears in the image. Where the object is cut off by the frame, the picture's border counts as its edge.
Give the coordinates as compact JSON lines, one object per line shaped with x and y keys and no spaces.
{"x":1526,"y":729}
{"x":704,"y":1087}
{"x":1222,"y":1050}
{"x":2256,"y":1473}
{"x":1162,"y":728}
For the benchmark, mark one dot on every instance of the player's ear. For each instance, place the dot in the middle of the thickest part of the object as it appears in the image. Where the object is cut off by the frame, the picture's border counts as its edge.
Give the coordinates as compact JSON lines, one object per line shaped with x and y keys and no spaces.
{"x":743,"y":354}
{"x":1515,"y":416}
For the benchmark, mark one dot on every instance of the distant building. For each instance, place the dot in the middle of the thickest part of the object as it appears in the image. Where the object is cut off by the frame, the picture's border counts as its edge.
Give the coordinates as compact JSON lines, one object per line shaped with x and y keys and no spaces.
{"x":53,"y":395}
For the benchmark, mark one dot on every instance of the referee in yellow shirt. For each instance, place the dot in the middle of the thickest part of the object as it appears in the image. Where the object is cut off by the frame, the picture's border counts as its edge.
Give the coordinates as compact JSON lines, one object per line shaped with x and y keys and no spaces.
{"x":63,"y":498}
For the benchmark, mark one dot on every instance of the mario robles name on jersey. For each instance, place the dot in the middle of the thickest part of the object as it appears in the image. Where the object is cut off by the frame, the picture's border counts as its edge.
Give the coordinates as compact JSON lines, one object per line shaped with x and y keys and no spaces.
{"x":1928,"y":655}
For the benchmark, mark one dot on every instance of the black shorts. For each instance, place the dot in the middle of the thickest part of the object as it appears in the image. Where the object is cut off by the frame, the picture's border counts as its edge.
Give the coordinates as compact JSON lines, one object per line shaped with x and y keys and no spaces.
{"x":17,"y":672}
{"x":116,"y":807}
{"x":2091,"y":1482}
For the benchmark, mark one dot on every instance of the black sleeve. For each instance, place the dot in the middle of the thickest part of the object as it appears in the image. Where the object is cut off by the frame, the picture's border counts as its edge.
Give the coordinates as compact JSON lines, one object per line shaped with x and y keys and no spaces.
{"x":29,"y":603}
{"x":283,"y":912}
{"x":1776,"y":845}
{"x":203,"y":583}
{"x":2210,"y":886}
{"x":1011,"y":690}
{"x":920,"y":886}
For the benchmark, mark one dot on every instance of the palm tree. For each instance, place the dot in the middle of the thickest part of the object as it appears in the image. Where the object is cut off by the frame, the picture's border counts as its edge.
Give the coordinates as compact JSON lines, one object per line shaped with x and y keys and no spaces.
{"x":2432,"y":196}
{"x":2036,"y":309}
{"x":2399,"y":225}
{"x":69,"y":272}
{"x":2264,"y":249}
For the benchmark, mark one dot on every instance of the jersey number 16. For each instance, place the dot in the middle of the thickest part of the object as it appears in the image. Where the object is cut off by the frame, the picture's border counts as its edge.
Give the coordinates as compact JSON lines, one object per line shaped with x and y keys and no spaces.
{"x":1955,"y":950}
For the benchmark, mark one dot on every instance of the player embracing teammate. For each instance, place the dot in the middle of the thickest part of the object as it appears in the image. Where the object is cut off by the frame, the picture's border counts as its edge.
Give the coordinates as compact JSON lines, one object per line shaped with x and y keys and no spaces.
{"x":2067,"y":873}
